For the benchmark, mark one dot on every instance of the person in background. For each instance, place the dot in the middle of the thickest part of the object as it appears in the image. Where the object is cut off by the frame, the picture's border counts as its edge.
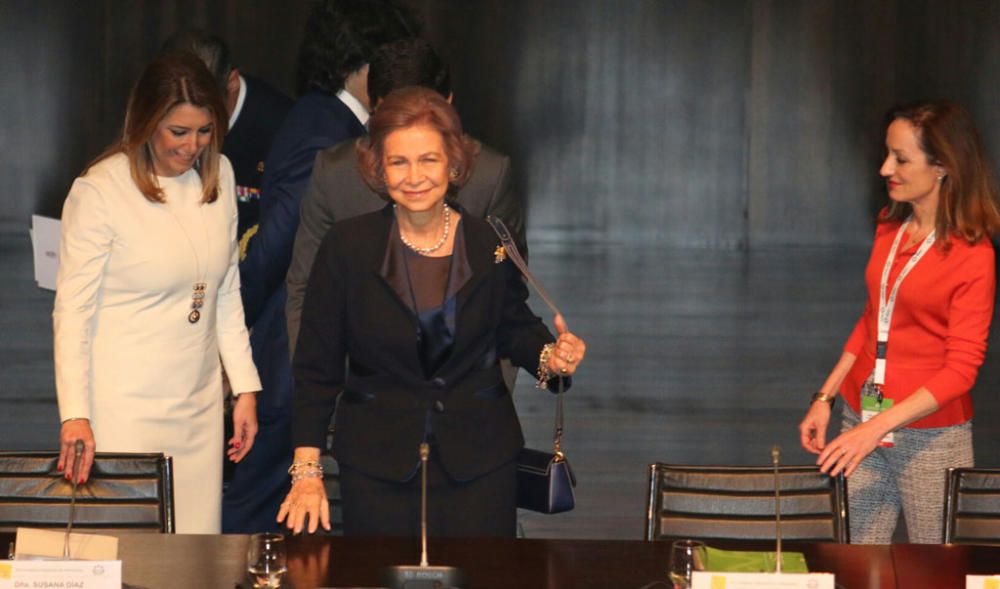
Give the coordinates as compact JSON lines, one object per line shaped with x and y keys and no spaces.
{"x":422,"y":301}
{"x":907,"y":368}
{"x":256,"y":111}
{"x":339,"y":39}
{"x":147,"y":296}
{"x":337,"y":191}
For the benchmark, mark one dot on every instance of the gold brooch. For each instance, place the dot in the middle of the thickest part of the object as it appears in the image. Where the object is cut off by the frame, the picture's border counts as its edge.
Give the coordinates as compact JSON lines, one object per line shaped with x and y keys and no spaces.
{"x":499,"y":254}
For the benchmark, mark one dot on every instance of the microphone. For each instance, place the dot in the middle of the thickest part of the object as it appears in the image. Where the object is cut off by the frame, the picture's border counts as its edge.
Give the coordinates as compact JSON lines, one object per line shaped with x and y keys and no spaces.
{"x":776,"y":459}
{"x":423,"y":576}
{"x":78,"y":454}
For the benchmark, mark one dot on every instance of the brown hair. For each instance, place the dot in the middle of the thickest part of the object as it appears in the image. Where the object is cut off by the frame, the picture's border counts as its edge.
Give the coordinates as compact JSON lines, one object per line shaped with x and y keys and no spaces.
{"x":406,"y":107}
{"x":967,"y":206}
{"x":168,"y":81}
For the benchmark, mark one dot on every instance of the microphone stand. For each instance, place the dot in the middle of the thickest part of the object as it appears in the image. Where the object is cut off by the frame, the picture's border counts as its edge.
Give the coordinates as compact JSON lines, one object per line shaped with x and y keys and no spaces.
{"x":776,"y":459}
{"x":425,"y":453}
{"x":423,"y":576}
{"x":78,"y":454}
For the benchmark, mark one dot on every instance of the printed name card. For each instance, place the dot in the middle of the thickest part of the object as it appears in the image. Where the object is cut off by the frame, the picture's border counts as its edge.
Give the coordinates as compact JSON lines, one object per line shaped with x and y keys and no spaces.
{"x":982,"y":582}
{"x":61,"y":574}
{"x":720,"y":580}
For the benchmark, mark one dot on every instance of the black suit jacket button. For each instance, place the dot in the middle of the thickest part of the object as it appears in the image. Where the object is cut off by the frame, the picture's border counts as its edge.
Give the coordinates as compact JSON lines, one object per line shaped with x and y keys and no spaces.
{"x":439,"y":383}
{"x":439,"y":406}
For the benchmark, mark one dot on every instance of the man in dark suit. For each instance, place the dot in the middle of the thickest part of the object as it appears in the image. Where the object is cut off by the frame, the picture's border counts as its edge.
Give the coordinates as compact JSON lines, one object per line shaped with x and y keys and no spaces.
{"x":337,"y":192}
{"x":337,"y":45}
{"x":256,"y":111}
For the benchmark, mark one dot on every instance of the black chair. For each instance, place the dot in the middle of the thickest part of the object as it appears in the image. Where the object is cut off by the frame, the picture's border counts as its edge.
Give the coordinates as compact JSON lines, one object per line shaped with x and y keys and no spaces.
{"x":331,"y":481}
{"x":972,"y":506}
{"x":125,"y":492}
{"x":737,"y":503}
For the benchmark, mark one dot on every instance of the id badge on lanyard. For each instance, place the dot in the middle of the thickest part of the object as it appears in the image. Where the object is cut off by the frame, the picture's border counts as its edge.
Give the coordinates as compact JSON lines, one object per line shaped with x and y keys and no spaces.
{"x":872,"y":400}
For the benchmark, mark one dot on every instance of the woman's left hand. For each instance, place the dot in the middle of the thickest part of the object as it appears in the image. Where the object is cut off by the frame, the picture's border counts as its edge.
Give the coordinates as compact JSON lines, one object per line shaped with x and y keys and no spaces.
{"x":568,"y":352}
{"x":244,"y":426}
{"x":846,"y":452}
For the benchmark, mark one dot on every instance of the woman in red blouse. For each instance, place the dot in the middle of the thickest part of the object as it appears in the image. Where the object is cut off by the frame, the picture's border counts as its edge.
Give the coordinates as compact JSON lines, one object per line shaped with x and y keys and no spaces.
{"x":907,"y":368}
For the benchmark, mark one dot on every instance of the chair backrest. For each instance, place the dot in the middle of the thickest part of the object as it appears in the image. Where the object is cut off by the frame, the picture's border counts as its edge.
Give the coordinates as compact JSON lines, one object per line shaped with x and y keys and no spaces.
{"x":737,"y":503}
{"x":331,"y":481}
{"x":125,"y":492}
{"x":972,"y":506}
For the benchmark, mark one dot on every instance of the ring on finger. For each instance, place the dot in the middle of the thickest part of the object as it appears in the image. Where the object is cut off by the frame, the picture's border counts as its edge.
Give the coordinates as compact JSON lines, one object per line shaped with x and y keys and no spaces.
{"x":564,"y":370}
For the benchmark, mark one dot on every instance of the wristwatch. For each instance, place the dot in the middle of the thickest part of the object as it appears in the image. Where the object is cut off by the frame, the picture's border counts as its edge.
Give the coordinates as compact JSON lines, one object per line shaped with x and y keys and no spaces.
{"x":821,"y":396}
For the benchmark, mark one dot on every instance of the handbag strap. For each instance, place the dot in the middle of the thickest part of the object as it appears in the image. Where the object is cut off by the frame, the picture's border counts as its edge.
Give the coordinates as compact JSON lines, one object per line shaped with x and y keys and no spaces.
{"x":515,"y":256}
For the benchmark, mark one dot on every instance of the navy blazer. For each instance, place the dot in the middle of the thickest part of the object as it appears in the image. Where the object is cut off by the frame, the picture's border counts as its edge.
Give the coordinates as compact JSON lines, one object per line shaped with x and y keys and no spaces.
{"x":260,"y":482}
{"x":249,"y":141}
{"x":356,"y":308}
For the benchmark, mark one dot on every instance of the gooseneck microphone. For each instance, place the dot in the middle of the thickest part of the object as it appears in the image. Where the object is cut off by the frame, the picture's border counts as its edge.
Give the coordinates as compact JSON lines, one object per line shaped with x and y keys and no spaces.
{"x":425,"y":454}
{"x":77,"y":454}
{"x":776,"y":459}
{"x":423,"y":576}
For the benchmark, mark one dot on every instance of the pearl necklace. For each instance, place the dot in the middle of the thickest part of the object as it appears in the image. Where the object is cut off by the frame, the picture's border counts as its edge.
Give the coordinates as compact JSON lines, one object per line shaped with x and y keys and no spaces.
{"x":440,"y":242}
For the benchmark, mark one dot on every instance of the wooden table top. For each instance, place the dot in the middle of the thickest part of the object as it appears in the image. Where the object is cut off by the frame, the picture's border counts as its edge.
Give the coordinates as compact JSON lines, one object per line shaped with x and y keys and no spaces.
{"x":167,"y":561}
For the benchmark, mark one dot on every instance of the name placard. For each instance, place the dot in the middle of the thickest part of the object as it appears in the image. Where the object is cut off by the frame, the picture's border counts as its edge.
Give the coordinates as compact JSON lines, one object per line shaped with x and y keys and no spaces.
{"x":61,"y":574}
{"x":719,"y":580}
{"x":982,"y":582}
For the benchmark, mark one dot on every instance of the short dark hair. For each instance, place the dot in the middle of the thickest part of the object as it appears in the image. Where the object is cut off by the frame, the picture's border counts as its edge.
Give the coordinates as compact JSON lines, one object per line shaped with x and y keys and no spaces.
{"x":209,"y":48}
{"x":406,"y":62}
{"x":341,"y":35}
{"x":407,"y":107}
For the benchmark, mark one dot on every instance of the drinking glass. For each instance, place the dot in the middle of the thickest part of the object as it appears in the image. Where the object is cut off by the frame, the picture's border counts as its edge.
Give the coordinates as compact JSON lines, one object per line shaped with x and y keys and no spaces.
{"x":267,"y":560}
{"x":686,"y":556}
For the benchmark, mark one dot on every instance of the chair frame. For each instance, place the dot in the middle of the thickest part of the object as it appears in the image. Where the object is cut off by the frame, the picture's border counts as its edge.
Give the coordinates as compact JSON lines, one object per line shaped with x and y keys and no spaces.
{"x":839,"y":494}
{"x":165,"y":478}
{"x":951,"y":495}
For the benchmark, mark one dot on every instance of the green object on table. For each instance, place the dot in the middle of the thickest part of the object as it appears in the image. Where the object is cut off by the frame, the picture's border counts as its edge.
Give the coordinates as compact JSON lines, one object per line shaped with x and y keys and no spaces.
{"x":746,"y":561}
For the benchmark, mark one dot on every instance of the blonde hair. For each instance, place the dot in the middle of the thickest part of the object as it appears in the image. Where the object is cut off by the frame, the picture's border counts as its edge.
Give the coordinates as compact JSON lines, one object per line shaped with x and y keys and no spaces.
{"x":167,"y":82}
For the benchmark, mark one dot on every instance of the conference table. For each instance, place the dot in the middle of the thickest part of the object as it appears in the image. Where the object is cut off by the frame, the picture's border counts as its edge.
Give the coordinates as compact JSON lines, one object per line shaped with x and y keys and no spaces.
{"x":170,"y":561}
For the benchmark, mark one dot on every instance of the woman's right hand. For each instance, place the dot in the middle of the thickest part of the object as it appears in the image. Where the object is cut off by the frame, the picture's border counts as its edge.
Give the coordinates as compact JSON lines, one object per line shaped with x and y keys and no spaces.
{"x":74,"y":430}
{"x":812,"y":430}
{"x":307,"y":499}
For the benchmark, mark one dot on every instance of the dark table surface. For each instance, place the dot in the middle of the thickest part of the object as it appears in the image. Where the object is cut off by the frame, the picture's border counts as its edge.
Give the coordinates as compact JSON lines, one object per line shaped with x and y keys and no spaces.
{"x":165,"y":561}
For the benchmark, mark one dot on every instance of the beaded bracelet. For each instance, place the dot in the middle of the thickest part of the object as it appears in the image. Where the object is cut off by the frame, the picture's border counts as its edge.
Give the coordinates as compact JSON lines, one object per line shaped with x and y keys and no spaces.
{"x":305,"y":464}
{"x":309,"y":474}
{"x":543,"y":366}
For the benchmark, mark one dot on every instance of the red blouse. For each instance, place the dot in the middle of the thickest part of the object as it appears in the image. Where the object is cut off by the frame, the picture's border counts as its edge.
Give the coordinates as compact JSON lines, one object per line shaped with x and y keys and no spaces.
{"x":937,"y":338}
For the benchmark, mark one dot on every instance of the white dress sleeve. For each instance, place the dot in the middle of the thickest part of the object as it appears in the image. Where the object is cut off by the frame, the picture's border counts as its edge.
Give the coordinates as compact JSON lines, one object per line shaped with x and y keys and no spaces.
{"x":87,"y":234}
{"x":230,"y":326}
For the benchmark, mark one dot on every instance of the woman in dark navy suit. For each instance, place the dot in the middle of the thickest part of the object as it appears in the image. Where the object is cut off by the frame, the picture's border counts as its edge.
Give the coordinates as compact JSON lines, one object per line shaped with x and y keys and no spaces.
{"x":407,"y":312}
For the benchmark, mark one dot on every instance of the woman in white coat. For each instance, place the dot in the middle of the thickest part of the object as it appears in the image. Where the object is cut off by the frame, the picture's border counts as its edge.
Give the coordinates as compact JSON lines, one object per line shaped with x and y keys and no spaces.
{"x":147,"y":296}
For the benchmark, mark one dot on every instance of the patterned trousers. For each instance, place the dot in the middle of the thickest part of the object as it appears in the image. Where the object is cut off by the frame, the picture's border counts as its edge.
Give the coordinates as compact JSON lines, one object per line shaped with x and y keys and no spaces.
{"x":909,"y":476}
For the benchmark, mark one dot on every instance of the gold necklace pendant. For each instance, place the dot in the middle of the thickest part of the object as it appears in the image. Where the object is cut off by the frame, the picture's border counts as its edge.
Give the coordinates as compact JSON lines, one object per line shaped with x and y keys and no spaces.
{"x":197,"y":300}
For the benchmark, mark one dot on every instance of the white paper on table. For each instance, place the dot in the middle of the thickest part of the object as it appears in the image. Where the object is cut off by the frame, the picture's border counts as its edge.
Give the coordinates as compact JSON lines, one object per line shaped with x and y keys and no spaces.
{"x":79,"y":574}
{"x":34,"y":544}
{"x":721,"y":580}
{"x":982,"y":581}
{"x":45,"y":245}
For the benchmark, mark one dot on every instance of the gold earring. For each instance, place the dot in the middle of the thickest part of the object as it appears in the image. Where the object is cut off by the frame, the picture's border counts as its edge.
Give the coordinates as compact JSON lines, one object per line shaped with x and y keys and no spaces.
{"x":453,"y":173}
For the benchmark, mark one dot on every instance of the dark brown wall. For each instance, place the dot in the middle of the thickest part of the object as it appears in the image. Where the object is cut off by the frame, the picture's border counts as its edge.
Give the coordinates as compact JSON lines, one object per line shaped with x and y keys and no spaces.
{"x":695,"y":123}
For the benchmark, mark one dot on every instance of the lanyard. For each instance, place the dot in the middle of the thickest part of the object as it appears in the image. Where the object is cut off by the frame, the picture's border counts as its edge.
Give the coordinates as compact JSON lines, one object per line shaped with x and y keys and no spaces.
{"x":886,"y":306}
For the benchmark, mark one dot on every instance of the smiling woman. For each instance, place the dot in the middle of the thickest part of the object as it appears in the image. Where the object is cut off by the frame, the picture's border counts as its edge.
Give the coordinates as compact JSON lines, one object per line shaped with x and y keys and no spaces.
{"x":416,"y":296}
{"x":907,"y":368}
{"x":180,"y":139}
{"x":147,"y":295}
